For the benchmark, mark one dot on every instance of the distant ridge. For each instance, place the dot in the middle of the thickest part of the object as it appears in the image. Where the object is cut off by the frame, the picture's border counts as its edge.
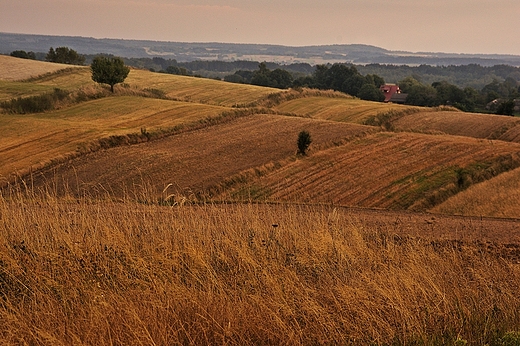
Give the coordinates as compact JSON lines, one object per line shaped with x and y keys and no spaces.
{"x":183,"y":51}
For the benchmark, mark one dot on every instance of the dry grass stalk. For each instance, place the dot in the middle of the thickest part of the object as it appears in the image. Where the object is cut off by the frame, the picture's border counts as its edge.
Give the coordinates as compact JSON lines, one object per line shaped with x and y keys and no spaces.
{"x":75,"y":271}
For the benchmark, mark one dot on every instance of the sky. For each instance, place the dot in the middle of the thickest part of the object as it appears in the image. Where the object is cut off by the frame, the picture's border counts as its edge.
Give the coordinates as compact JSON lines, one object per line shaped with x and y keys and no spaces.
{"x":450,"y":26}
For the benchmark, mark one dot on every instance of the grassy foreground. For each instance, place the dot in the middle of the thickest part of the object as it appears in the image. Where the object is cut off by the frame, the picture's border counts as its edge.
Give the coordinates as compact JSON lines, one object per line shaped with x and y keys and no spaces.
{"x":74,"y":272}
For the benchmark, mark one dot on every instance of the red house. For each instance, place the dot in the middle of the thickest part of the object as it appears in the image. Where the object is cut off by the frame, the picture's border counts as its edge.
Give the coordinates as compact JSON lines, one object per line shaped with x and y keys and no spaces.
{"x":393,"y":93}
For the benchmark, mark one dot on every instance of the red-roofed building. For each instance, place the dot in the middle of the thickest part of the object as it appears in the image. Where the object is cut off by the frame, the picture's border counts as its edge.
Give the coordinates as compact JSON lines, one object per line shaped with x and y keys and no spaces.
{"x":393,"y":93}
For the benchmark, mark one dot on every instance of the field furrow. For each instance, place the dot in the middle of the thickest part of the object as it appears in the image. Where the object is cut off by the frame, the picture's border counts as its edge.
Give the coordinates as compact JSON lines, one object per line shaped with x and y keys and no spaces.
{"x":198,"y":161}
{"x":383,"y":170}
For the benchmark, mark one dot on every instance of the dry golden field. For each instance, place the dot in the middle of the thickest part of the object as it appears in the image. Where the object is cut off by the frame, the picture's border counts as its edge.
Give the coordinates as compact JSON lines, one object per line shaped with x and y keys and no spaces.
{"x":14,"y":69}
{"x":91,"y":273}
{"x":497,"y":197}
{"x":461,"y":124}
{"x":337,"y":109}
{"x":177,"y":212}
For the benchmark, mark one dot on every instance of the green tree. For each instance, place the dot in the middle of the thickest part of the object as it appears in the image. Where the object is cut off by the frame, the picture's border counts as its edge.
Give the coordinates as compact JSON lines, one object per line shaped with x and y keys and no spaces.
{"x":109,"y":71}
{"x":353,"y":84}
{"x":406,"y":84}
{"x":234,"y":78}
{"x":422,"y":95}
{"x":281,"y":78}
{"x":262,"y":76}
{"x":304,"y":141}
{"x":506,"y":108}
{"x":177,"y":70}
{"x":23,"y":54}
{"x":369,"y":92}
{"x":65,"y":55}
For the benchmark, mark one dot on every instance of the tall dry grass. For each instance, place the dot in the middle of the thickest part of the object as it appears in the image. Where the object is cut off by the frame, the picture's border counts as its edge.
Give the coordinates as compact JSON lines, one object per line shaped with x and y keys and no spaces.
{"x":83,"y":272}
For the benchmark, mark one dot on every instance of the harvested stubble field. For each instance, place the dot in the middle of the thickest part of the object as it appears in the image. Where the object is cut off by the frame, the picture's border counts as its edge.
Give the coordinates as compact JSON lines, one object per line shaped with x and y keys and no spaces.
{"x":14,"y":69}
{"x":196,"y":161}
{"x":337,"y":109}
{"x":35,"y":140}
{"x":89,"y":257}
{"x":384,"y":170}
{"x":462,"y":124}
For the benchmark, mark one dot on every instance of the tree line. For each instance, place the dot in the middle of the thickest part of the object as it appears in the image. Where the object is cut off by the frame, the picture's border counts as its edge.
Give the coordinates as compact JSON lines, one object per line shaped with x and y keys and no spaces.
{"x":347,"y":79}
{"x":497,"y":95}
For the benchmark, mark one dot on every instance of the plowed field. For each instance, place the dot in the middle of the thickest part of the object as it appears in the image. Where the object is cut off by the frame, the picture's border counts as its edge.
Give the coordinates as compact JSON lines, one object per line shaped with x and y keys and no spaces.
{"x":200,"y":159}
{"x":385,"y":170}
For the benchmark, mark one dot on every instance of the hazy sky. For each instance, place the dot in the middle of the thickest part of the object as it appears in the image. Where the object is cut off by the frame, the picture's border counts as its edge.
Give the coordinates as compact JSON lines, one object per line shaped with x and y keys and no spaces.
{"x":456,"y":26}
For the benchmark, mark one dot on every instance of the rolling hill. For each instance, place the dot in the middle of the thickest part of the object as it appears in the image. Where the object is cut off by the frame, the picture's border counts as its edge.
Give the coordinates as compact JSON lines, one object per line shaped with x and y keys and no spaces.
{"x":177,"y":211}
{"x":207,"y":139}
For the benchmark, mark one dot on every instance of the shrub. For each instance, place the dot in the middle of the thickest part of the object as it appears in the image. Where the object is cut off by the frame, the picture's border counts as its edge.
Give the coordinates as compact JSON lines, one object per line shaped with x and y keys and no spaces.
{"x":34,"y":104}
{"x":304,"y":141}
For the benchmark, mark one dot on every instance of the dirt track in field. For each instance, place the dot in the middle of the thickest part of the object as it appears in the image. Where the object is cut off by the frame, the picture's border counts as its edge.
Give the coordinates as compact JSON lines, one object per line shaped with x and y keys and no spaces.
{"x":437,"y":226}
{"x":496,"y":236}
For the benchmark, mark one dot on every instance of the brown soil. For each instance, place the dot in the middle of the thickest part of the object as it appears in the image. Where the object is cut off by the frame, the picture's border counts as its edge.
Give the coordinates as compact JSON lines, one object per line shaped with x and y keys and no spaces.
{"x":441,"y":227}
{"x":193,"y":161}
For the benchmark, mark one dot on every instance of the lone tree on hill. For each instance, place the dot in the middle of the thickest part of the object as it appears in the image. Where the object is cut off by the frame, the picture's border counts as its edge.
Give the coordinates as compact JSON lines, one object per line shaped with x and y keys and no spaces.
{"x":304,"y":140}
{"x":109,"y":71}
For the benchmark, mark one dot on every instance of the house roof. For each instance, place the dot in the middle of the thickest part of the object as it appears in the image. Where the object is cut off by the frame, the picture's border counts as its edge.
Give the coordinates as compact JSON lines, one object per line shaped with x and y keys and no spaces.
{"x":389,"y":90}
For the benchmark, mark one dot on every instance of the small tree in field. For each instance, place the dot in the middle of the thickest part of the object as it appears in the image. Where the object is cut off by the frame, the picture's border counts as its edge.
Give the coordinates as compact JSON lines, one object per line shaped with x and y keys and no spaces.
{"x":304,"y":140}
{"x":109,"y":71}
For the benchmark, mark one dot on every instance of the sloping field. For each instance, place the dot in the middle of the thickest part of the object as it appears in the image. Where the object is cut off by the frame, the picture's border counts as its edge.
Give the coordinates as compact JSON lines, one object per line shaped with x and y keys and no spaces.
{"x":10,"y":90}
{"x":337,"y":109}
{"x":385,"y":170}
{"x":461,"y":124}
{"x":199,"y":90}
{"x":33,"y":140}
{"x":183,"y":88}
{"x":405,"y":118}
{"x":195,"y":161}
{"x":497,"y":197}
{"x":16,"y":69}
{"x":46,"y":76}
{"x":23,"y":77}
{"x":392,"y":171}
